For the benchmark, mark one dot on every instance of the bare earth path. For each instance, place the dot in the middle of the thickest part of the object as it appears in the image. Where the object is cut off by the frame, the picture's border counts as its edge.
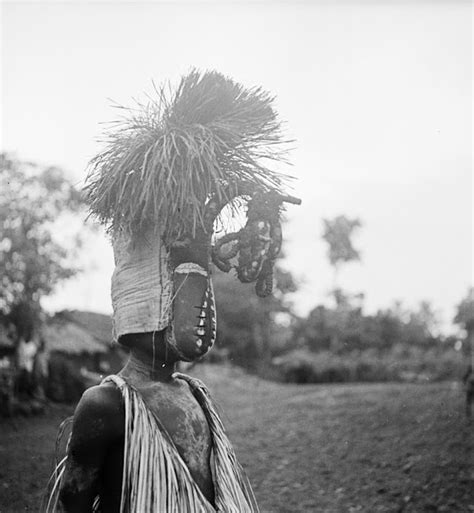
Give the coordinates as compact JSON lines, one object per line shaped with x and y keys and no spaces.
{"x":324,"y":449}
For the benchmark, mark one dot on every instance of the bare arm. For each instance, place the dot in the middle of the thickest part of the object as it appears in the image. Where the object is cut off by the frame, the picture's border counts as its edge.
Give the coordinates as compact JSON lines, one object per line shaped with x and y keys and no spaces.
{"x":98,"y":421}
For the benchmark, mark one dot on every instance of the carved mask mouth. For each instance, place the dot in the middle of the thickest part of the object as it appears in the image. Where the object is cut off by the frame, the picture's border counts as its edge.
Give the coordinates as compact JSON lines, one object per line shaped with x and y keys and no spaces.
{"x":192,"y":348}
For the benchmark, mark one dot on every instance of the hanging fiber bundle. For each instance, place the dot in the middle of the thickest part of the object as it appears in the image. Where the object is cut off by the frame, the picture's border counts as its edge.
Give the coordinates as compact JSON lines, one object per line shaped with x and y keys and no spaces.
{"x":208,"y":138}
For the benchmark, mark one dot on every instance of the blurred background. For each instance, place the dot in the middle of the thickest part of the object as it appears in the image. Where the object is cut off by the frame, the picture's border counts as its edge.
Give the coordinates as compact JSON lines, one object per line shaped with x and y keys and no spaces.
{"x":373,"y":307}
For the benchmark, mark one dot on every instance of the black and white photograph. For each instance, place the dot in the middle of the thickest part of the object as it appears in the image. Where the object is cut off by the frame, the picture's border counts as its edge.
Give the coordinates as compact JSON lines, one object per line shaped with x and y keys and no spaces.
{"x":236,"y":256}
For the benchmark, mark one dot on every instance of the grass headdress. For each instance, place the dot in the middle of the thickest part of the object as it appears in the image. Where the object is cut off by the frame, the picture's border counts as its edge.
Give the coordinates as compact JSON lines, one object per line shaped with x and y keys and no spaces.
{"x":208,"y":138}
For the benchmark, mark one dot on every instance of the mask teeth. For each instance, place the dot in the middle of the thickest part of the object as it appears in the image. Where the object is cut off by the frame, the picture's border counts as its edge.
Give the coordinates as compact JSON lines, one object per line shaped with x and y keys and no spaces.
{"x":204,"y":305}
{"x":200,"y":332}
{"x":202,"y":322}
{"x":199,"y":342}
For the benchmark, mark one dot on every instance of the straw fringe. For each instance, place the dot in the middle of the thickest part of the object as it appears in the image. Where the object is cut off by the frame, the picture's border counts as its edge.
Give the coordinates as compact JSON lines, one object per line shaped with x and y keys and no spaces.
{"x":155,"y":478}
{"x":233,"y":493}
{"x":164,"y":160}
{"x":50,"y":502}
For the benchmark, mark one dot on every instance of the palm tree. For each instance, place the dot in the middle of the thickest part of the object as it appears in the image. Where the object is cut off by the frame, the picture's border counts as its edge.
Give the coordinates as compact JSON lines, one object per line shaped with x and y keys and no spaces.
{"x":337,"y":233}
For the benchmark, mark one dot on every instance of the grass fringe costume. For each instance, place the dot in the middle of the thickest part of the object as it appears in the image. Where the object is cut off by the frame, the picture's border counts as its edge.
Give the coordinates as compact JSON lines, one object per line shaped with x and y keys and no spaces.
{"x":163,"y":178}
{"x":165,"y":160}
{"x":155,"y":478}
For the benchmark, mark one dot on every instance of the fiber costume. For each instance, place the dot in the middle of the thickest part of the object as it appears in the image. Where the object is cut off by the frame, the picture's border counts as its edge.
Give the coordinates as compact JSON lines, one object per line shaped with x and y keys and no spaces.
{"x":151,"y":456}
{"x":160,"y":188}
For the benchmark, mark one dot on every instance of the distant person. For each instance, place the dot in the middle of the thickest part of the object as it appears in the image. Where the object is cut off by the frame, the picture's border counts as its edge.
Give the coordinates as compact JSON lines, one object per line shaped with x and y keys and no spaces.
{"x":40,"y":371}
{"x":468,"y":380}
{"x":26,"y":354}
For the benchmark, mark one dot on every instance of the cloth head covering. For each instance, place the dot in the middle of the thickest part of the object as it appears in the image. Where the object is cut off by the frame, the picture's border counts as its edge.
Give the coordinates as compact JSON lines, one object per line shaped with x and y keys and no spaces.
{"x":142,"y":288}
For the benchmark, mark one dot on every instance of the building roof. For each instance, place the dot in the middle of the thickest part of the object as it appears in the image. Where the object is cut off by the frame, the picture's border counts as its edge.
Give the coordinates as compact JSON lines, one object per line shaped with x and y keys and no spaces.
{"x":72,"y":332}
{"x":66,"y":337}
{"x":98,"y":325}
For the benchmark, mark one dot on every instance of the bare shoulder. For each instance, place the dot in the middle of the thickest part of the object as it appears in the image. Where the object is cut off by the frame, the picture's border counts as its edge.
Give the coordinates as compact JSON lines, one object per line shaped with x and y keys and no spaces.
{"x":99,"y":414}
{"x":97,"y":425}
{"x":106,"y":395}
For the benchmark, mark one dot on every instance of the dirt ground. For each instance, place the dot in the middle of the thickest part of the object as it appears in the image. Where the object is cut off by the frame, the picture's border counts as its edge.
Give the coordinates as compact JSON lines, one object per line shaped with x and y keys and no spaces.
{"x":312,"y":448}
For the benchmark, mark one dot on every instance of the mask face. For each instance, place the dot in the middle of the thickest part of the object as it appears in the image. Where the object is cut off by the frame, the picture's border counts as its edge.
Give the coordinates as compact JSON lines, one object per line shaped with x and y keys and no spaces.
{"x":191,"y":348}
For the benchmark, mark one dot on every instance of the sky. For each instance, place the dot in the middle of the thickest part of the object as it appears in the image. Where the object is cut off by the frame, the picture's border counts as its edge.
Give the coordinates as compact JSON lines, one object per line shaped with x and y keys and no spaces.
{"x":377,"y":95}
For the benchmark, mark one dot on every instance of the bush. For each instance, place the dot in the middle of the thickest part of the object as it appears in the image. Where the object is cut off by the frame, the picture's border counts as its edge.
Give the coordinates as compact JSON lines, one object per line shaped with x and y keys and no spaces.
{"x":398,"y":364}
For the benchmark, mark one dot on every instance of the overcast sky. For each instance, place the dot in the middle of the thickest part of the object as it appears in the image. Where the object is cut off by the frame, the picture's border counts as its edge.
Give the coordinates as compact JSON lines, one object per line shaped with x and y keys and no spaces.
{"x":378,"y":96}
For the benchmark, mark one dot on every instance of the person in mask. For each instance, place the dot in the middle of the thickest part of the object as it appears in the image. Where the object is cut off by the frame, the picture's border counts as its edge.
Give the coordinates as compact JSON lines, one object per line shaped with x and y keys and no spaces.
{"x":149,"y":439}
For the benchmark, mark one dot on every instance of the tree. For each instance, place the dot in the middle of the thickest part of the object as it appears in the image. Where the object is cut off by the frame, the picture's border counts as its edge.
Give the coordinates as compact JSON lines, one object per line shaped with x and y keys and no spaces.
{"x":337,"y":233}
{"x":252,"y":329}
{"x":465,"y":318}
{"x":338,"y":329}
{"x":32,"y":260}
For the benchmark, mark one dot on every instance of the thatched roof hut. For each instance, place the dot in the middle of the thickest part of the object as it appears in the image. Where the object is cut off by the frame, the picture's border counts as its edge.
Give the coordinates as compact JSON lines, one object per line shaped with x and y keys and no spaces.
{"x":66,"y":337}
{"x":75,"y":333}
{"x":81,"y":352}
{"x":99,"y":325}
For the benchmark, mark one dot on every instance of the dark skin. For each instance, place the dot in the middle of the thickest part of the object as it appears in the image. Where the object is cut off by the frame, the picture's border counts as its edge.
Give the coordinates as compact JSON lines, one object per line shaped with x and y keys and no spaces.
{"x":96,"y":449}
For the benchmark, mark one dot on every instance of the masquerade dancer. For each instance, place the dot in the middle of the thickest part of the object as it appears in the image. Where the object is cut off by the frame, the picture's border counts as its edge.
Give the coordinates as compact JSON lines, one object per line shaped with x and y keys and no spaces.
{"x":149,"y":440}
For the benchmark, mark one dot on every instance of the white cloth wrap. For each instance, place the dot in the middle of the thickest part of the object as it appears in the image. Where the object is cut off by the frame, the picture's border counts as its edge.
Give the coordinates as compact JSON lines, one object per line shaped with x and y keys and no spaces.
{"x":142,"y":287}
